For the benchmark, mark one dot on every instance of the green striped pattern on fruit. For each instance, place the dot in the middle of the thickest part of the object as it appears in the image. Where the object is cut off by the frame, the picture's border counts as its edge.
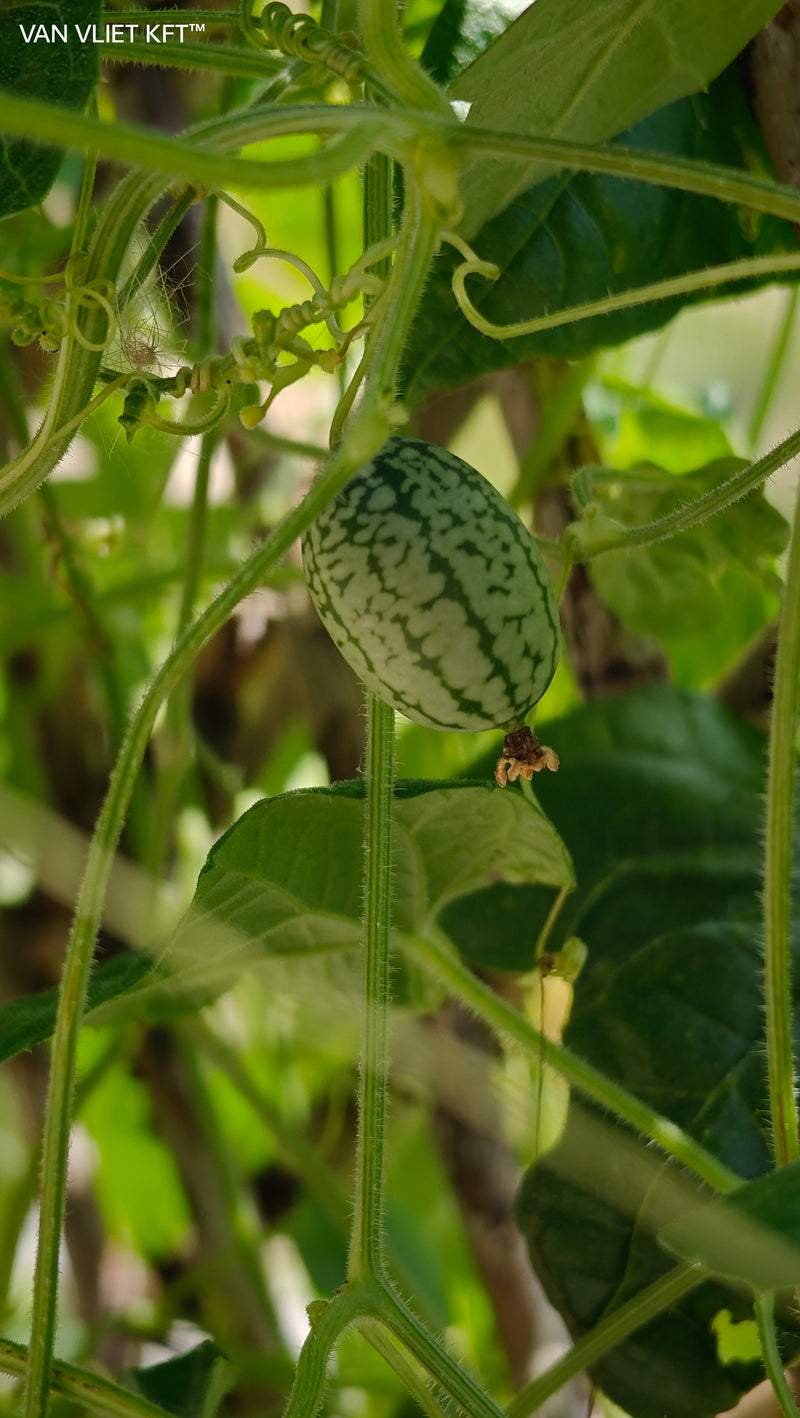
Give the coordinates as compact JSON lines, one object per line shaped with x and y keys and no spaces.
{"x":434,"y":590}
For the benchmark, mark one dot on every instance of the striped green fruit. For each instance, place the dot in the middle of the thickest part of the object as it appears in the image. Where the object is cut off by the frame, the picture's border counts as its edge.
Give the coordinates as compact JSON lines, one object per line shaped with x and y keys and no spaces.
{"x":434,"y":590}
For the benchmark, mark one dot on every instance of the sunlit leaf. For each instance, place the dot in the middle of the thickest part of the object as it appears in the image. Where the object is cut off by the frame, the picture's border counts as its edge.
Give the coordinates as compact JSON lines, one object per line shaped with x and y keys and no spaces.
{"x":138,"y":1186}
{"x":673,"y":589}
{"x":589,"y":69}
{"x":286,"y":880}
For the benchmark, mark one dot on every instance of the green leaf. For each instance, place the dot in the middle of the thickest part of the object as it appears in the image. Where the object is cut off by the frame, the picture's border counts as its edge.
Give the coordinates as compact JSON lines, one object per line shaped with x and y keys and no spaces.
{"x":752,"y":1237}
{"x":659,"y":798}
{"x":587,"y":70}
{"x":639,"y":426}
{"x":579,"y":237}
{"x":642,"y":776}
{"x":42,"y":66}
{"x":137,"y":1183}
{"x":589,"y":1212}
{"x":749,"y":608}
{"x":190,"y":1385}
{"x":462,"y":30}
{"x":286,"y":880}
{"x":673,"y":589}
{"x":30,"y":1020}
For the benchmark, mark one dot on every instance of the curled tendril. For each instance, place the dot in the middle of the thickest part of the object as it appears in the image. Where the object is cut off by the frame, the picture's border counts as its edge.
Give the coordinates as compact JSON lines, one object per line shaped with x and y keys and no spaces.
{"x":294,"y":318}
{"x":358,"y":280}
{"x":31,"y":280}
{"x":708,"y":277}
{"x":472,"y":265}
{"x":249,"y":27}
{"x":93,"y":295}
{"x":89,"y":297}
{"x":260,"y":358}
{"x":243,"y":262}
{"x":275,"y":253}
{"x":300,"y":37}
{"x":140,"y":409}
{"x":53,"y":319}
{"x":188,"y":428}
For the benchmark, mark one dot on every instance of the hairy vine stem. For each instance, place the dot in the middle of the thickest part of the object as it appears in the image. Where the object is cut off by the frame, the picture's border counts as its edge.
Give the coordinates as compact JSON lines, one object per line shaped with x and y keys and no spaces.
{"x":365,"y":1259}
{"x":692,"y":281}
{"x":365,"y":1255}
{"x":770,"y":1355}
{"x":200,"y":158}
{"x":607,"y":1334}
{"x":197,"y":157}
{"x":778,"y":865}
{"x":439,"y":958}
{"x":83,"y":1387}
{"x":77,"y":965}
{"x":201,"y":164}
{"x":383,"y":42}
{"x":456,"y":1382}
{"x":586,"y":544}
{"x":329,"y":1320}
{"x":410,"y":1373}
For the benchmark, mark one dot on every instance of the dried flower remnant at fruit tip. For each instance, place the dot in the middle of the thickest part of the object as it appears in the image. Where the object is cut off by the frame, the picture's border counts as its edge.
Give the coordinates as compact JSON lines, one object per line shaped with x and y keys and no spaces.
{"x":523,"y":755}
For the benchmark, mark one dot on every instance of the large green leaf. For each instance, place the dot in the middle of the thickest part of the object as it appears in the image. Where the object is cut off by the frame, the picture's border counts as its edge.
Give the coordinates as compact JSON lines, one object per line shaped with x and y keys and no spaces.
{"x":287,"y":877}
{"x":670,"y":999}
{"x":36,"y":62}
{"x":589,"y":1213}
{"x":659,"y":798}
{"x":642,"y":776}
{"x":589,"y":69}
{"x":578,"y":237}
{"x":30,"y":1020}
{"x":284,"y":884}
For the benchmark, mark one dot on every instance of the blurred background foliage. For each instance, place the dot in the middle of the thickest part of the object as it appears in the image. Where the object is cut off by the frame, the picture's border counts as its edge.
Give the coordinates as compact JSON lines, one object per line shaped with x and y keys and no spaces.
{"x":212,"y":1154}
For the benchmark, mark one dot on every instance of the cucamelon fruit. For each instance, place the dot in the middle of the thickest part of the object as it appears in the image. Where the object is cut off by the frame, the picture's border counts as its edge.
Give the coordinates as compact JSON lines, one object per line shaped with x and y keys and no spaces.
{"x":434,"y":590}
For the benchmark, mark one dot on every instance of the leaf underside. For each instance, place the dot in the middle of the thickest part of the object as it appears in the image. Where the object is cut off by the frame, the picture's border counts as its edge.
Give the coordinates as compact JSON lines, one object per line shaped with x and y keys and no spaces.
{"x":59,"y":70}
